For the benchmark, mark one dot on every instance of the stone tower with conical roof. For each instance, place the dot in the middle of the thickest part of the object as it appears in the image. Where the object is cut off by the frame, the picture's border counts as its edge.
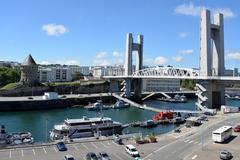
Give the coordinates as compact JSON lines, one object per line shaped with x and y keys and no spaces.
{"x":29,"y":72}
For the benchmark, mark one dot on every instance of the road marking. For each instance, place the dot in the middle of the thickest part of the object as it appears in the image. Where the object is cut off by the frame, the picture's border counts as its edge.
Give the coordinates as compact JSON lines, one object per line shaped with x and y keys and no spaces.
{"x":126,"y":155}
{"x":10,"y":154}
{"x":194,"y":157}
{"x":186,"y":140}
{"x":190,"y":142}
{"x":103,"y":145}
{"x":22,"y":153}
{"x":44,"y":150}
{"x":195,"y":142}
{"x":55,"y":149}
{"x":118,"y":157}
{"x":84,"y":146}
{"x":75,"y":147}
{"x":33,"y":152}
{"x":147,"y":156}
{"x":115,"y":144}
{"x":94,"y":145}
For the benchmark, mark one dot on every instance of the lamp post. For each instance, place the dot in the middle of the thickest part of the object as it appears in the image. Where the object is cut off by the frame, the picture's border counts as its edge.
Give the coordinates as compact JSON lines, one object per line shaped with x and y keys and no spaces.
{"x":46,"y":121}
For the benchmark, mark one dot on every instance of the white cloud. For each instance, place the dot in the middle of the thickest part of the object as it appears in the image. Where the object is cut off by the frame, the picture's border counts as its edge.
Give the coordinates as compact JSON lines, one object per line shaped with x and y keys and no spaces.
{"x":62,"y":62}
{"x":192,"y":10}
{"x":101,"y":55}
{"x":101,"y":59}
{"x":178,"y":59}
{"x":183,"y":34}
{"x":72,"y":62}
{"x":54,"y":29}
{"x":117,"y":54}
{"x":160,"y":60}
{"x":187,"y":51}
{"x":45,"y":62}
{"x":233,"y":55}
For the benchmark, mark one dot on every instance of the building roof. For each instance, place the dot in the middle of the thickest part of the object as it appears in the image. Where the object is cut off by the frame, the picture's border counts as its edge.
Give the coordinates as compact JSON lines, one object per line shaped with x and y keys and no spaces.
{"x":29,"y":61}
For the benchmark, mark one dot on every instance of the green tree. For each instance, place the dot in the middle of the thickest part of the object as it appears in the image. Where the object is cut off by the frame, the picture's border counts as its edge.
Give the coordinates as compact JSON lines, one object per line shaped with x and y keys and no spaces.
{"x":188,"y":84}
{"x":9,"y":75}
{"x":77,"y":76}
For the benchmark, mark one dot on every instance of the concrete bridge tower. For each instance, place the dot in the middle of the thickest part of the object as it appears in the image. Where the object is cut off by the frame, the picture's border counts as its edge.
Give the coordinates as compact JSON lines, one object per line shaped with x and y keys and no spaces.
{"x":130,"y":47}
{"x":211,"y":93}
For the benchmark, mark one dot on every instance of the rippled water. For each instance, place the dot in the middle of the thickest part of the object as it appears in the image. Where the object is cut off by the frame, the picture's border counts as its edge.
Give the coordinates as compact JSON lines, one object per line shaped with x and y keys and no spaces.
{"x":40,"y":122}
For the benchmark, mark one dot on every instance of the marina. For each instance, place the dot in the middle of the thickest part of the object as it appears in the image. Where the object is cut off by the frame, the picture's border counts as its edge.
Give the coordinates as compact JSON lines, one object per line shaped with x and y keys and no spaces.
{"x":39,"y":123}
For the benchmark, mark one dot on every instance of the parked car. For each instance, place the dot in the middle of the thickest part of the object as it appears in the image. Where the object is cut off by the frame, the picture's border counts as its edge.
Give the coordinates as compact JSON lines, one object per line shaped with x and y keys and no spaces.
{"x":226,"y":155}
{"x":177,"y":130}
{"x":69,"y":157}
{"x":61,"y":146}
{"x":130,"y":149}
{"x":91,"y":156}
{"x":236,"y":128}
{"x":103,"y":156}
{"x":117,"y":139}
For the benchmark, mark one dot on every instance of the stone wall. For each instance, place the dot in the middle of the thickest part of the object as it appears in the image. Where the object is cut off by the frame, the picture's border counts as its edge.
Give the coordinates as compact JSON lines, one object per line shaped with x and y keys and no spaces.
{"x":64,"y":89}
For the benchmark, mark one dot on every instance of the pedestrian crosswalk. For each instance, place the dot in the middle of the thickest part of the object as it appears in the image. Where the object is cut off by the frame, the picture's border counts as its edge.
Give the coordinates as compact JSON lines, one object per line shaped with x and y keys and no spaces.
{"x":190,"y":141}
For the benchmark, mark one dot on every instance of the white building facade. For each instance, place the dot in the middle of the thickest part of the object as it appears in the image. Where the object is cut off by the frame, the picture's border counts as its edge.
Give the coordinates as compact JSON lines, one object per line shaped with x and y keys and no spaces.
{"x":54,"y":74}
{"x":160,"y":85}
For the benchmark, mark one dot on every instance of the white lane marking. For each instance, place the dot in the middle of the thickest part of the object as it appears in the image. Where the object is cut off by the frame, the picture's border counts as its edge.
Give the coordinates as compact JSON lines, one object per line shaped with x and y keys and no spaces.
{"x":55,"y":149}
{"x":75,"y":147}
{"x":33,"y":152}
{"x":103,"y":145}
{"x":84,"y":146}
{"x":10,"y":154}
{"x":186,"y":140}
{"x":195,"y":142}
{"x":118,"y":157}
{"x":126,"y":155}
{"x":147,"y":156}
{"x":194,"y":157}
{"x":94,"y":145}
{"x":44,"y":150}
{"x":190,"y":142}
{"x":115,"y":144}
{"x":22,"y":153}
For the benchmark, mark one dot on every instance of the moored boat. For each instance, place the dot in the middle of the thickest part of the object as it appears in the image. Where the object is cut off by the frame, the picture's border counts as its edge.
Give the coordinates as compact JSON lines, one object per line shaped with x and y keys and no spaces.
{"x":148,"y":124}
{"x":120,"y":104}
{"x":15,"y":138}
{"x":86,"y":127}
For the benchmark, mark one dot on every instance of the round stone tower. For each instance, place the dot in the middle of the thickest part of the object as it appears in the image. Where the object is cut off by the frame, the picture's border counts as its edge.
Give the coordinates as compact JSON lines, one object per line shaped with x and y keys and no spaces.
{"x":29,"y":72}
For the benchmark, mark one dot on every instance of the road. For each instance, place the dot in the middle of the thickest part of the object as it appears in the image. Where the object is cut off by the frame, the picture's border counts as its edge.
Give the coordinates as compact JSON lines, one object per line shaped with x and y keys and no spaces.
{"x":181,"y":148}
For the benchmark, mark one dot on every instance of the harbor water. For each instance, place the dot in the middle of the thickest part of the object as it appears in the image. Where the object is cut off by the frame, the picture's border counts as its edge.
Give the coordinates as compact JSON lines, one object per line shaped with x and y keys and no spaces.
{"x":40,"y":122}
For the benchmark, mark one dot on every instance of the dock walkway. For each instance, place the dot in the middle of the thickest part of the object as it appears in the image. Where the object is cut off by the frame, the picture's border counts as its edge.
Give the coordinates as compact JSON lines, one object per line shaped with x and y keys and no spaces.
{"x":144,"y":107}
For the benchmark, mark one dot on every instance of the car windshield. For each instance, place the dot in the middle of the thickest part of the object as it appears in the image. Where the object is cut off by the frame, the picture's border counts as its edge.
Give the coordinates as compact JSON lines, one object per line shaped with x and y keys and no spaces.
{"x":71,"y":158}
{"x":93,"y":156}
{"x":133,"y":149}
{"x":104,"y":155}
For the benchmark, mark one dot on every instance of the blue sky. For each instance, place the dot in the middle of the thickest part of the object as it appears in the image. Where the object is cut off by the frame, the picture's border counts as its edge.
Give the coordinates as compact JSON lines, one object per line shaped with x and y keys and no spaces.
{"x":93,"y":32}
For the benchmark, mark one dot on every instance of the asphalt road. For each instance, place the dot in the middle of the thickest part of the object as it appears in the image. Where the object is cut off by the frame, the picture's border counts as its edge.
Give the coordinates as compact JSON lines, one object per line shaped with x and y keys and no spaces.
{"x":181,"y":148}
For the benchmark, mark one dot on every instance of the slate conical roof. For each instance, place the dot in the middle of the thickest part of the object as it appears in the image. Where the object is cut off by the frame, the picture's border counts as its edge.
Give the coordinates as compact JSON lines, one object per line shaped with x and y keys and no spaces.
{"x":29,"y":61}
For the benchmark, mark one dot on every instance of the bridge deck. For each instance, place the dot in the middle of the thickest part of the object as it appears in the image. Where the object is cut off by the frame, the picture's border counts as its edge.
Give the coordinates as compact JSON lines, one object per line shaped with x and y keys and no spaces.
{"x":150,"y":108}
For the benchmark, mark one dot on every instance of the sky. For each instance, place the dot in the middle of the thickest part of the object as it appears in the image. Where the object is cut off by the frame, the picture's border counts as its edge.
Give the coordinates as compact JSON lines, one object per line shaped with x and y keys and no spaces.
{"x":93,"y":32}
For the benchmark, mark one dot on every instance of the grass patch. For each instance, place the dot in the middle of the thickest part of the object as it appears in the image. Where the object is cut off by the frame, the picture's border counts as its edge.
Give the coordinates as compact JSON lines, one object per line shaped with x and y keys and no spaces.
{"x":9,"y":86}
{"x":62,"y":83}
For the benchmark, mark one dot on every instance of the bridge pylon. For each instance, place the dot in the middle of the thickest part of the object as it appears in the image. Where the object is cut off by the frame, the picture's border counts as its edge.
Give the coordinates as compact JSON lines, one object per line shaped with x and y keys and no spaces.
{"x":130,"y":47}
{"x":211,"y":60}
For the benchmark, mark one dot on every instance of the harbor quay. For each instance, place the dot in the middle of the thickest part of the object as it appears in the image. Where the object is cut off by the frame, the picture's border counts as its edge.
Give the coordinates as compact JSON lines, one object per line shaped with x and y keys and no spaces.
{"x":191,"y":143}
{"x":25,"y":103}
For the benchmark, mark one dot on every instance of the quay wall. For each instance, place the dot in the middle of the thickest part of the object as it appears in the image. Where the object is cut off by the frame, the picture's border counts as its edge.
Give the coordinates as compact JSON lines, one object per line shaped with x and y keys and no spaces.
{"x":39,"y":104}
{"x":9,"y":106}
